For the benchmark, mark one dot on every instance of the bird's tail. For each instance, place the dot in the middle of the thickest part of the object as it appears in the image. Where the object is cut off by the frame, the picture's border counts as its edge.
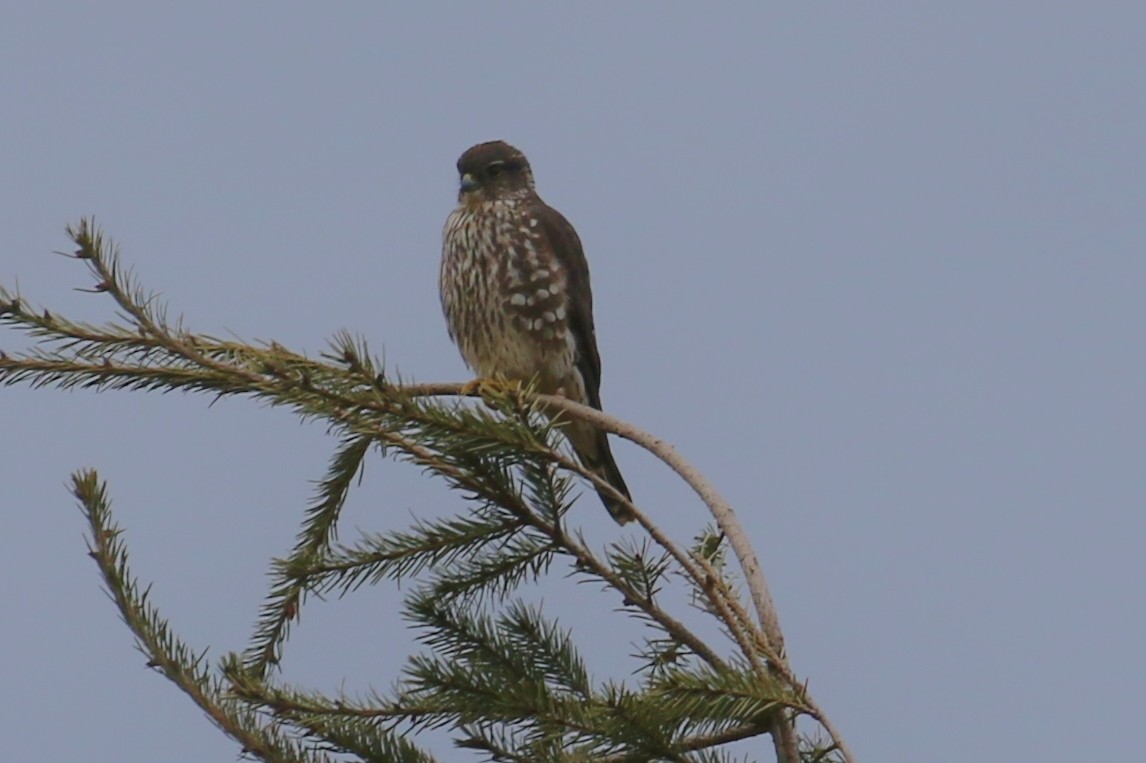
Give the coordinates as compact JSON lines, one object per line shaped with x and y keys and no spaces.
{"x":592,"y":448}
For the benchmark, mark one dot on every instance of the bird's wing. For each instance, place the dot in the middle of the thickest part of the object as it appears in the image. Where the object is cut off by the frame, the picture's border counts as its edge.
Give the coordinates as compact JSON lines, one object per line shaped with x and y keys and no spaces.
{"x":566,"y":247}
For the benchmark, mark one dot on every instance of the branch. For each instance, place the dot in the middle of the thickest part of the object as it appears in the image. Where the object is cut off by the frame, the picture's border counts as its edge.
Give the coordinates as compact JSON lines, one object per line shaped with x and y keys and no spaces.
{"x":156,"y":354}
{"x":784,"y":736}
{"x":165,"y":653}
{"x":721,"y":510}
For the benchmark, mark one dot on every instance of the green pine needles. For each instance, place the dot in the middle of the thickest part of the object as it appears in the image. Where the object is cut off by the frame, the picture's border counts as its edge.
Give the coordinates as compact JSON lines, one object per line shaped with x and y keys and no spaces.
{"x":499,"y":675}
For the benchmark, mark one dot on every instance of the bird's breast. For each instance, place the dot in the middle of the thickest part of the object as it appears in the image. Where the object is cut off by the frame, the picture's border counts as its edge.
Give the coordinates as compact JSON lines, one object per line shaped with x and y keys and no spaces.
{"x":504,"y":295}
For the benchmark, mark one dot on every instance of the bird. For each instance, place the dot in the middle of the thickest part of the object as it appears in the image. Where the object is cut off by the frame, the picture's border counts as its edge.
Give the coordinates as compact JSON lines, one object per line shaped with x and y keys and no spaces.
{"x":514,"y":287}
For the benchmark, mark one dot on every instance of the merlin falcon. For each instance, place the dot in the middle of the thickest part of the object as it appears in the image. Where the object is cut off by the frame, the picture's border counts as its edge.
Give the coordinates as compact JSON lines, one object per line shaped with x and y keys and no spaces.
{"x":515,"y":290}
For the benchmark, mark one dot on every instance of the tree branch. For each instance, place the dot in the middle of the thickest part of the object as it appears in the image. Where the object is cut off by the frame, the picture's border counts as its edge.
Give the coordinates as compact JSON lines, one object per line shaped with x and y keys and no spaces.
{"x":784,"y":732}
{"x":154,"y":354}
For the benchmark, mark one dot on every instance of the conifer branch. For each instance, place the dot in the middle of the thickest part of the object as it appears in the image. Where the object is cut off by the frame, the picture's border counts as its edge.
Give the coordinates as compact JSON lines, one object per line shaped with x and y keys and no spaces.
{"x":318,"y":530}
{"x":165,"y":653}
{"x":503,"y":677}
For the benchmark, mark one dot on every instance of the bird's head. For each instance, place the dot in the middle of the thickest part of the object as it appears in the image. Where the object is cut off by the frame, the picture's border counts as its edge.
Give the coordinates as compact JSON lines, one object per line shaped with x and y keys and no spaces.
{"x":493,"y":170}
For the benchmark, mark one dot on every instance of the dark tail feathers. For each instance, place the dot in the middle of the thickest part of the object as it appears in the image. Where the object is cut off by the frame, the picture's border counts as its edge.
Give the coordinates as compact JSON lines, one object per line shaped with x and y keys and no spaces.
{"x":606,"y":468}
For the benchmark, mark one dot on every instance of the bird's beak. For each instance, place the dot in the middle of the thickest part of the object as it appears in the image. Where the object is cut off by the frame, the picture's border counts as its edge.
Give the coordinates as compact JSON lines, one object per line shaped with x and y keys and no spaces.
{"x":469,"y":183}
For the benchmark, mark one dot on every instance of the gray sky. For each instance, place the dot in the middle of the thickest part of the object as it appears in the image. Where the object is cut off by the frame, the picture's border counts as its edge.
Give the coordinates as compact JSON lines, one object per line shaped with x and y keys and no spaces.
{"x":877,"y":270}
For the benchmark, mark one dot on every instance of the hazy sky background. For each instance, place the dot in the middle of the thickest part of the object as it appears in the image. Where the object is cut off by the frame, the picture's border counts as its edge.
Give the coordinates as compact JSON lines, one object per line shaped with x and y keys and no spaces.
{"x":878,"y":269}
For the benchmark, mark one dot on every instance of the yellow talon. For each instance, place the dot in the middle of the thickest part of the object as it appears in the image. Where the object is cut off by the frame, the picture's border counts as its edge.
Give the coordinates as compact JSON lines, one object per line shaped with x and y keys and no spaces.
{"x":482,"y":387}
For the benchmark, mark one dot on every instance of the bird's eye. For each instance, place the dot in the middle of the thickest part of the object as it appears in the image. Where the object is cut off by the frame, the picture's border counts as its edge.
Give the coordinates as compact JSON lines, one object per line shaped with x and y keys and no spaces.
{"x":495,"y":169}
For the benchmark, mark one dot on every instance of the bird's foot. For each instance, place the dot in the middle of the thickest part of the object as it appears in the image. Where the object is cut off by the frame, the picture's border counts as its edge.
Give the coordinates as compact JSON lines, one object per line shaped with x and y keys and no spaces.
{"x":483,"y":386}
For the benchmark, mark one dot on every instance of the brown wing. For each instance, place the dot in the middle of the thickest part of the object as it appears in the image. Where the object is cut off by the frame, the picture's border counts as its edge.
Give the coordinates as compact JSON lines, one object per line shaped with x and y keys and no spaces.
{"x":567,"y":248}
{"x":590,"y":444}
